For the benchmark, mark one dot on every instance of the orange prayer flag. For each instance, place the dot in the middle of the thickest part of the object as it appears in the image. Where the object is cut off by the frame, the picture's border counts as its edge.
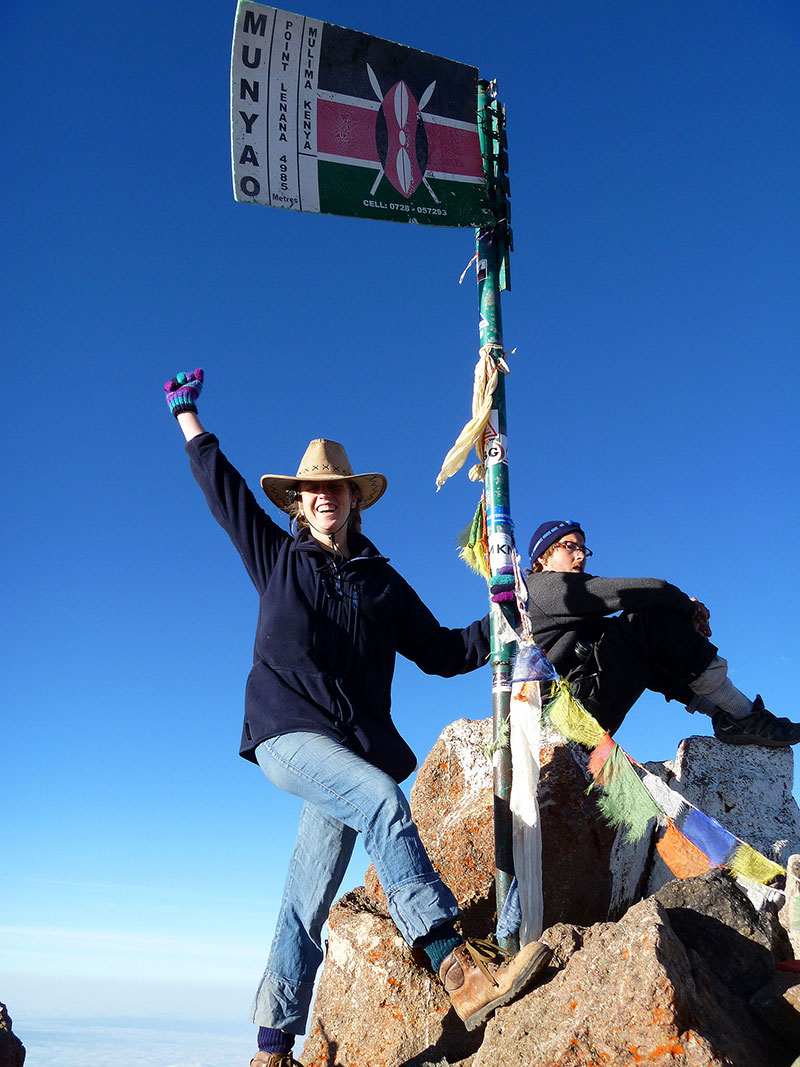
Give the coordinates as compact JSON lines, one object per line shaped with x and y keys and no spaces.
{"x":684,"y":859}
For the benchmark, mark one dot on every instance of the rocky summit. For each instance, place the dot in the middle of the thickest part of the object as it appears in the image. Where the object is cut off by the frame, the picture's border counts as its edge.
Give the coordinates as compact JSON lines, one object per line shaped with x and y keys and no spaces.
{"x":646,"y":969}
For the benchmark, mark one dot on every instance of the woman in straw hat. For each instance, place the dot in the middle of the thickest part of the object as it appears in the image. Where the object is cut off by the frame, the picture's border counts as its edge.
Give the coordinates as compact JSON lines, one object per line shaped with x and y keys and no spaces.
{"x":333,"y":615}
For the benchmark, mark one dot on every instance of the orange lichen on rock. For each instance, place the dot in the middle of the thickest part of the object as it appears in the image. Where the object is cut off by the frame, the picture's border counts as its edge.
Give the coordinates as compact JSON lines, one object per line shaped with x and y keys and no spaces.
{"x":673,"y":1048}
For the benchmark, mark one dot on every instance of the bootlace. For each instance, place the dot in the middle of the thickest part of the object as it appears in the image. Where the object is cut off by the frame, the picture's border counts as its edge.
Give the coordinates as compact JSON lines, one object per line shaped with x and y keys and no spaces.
{"x":764,"y":722}
{"x":483,"y":951}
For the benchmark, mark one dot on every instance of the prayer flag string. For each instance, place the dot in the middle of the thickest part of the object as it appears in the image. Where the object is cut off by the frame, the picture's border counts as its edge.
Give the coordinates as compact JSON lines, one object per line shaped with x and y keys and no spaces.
{"x":688,"y":840}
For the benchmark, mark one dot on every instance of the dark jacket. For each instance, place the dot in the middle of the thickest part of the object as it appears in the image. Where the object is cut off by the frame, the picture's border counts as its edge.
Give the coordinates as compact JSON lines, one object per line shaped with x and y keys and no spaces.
{"x":566,"y":608}
{"x":327,"y":631}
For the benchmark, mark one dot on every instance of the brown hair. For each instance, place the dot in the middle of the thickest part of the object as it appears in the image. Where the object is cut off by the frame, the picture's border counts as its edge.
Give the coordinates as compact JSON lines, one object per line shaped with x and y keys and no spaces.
{"x":538,"y":564}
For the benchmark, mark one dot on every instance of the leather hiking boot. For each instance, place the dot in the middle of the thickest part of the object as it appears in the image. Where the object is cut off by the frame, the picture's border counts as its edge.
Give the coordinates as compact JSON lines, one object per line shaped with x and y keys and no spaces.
{"x":760,"y":727}
{"x":274,"y":1059}
{"x":479,"y":977}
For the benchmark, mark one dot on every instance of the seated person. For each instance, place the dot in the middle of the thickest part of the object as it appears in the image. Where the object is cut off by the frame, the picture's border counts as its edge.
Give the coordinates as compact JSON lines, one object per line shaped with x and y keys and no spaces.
{"x":660,"y":641}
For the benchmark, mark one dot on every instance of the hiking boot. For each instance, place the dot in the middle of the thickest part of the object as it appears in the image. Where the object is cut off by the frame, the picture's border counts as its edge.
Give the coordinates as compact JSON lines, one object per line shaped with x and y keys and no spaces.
{"x":479,"y":977}
{"x":274,"y":1059}
{"x":760,"y":727}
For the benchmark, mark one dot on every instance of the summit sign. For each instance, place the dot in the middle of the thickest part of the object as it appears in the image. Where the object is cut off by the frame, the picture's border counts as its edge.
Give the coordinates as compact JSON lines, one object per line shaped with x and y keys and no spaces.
{"x":330,"y":120}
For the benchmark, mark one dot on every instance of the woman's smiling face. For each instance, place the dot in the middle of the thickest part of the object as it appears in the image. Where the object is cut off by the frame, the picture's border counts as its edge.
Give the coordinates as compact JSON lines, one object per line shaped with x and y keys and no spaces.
{"x":326,"y":506}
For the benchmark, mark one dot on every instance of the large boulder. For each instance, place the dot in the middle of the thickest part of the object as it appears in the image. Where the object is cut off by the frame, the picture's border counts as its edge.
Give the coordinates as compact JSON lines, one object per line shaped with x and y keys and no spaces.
{"x":377,"y":1002}
{"x":377,"y":1005}
{"x":747,"y":789}
{"x":642,"y":990}
{"x":739,"y":944}
{"x":453,"y":807}
{"x":687,"y":976}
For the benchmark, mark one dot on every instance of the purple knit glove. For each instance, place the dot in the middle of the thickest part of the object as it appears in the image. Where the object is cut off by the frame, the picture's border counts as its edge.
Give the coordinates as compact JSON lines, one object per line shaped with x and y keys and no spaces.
{"x":501,"y":585}
{"x":183,"y":390}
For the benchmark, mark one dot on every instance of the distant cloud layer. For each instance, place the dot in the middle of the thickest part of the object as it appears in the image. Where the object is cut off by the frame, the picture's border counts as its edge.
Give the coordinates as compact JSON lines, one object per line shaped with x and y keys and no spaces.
{"x":103,"y":1045}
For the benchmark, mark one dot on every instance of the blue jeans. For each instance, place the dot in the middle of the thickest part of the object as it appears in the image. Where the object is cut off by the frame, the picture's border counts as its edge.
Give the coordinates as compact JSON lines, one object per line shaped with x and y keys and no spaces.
{"x":344,"y":795}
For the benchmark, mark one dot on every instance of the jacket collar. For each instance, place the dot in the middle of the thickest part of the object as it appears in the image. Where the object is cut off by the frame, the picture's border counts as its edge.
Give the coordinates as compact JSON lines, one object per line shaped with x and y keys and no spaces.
{"x":360,"y":547}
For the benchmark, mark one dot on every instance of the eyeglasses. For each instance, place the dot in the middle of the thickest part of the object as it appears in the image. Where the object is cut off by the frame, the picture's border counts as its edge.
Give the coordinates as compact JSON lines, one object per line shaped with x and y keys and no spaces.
{"x":574,"y":548}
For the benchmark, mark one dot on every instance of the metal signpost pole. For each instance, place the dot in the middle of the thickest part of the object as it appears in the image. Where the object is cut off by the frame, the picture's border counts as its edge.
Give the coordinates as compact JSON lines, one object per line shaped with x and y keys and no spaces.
{"x":493,"y":246}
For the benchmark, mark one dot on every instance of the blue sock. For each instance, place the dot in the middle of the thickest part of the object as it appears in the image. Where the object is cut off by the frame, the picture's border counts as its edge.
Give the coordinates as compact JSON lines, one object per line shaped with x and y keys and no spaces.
{"x":270,"y":1040}
{"x":439,"y":943}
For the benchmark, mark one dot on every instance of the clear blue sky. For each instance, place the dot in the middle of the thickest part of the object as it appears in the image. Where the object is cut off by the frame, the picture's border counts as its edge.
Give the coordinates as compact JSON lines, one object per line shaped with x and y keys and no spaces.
{"x":655,"y":168}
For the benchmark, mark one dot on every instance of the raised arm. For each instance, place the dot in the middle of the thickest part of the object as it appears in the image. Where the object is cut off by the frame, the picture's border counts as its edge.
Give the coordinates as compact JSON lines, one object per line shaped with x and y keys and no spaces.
{"x":256,"y":537}
{"x":182,"y":393}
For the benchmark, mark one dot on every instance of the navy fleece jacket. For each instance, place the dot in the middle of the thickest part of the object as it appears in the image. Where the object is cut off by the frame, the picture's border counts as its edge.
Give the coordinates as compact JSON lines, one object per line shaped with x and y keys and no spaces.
{"x":327,"y":631}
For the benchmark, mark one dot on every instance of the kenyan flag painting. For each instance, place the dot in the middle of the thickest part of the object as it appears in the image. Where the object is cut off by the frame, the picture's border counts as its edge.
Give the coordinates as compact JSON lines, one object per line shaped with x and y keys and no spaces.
{"x":325,"y":119}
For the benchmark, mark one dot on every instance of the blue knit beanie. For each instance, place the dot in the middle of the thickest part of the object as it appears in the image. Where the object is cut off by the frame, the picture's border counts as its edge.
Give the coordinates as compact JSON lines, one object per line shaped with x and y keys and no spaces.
{"x":548,"y":533}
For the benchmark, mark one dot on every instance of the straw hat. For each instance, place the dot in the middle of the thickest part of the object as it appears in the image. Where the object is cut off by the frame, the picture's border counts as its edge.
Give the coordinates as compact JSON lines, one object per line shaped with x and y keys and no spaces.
{"x":323,"y":461}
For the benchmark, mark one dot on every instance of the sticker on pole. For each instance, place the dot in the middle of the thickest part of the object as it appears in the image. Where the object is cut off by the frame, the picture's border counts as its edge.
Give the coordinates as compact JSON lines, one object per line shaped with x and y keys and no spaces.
{"x":330,"y":120}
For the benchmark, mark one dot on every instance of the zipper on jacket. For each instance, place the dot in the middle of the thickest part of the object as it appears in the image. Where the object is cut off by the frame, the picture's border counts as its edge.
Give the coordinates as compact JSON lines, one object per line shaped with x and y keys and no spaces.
{"x":344,"y":614}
